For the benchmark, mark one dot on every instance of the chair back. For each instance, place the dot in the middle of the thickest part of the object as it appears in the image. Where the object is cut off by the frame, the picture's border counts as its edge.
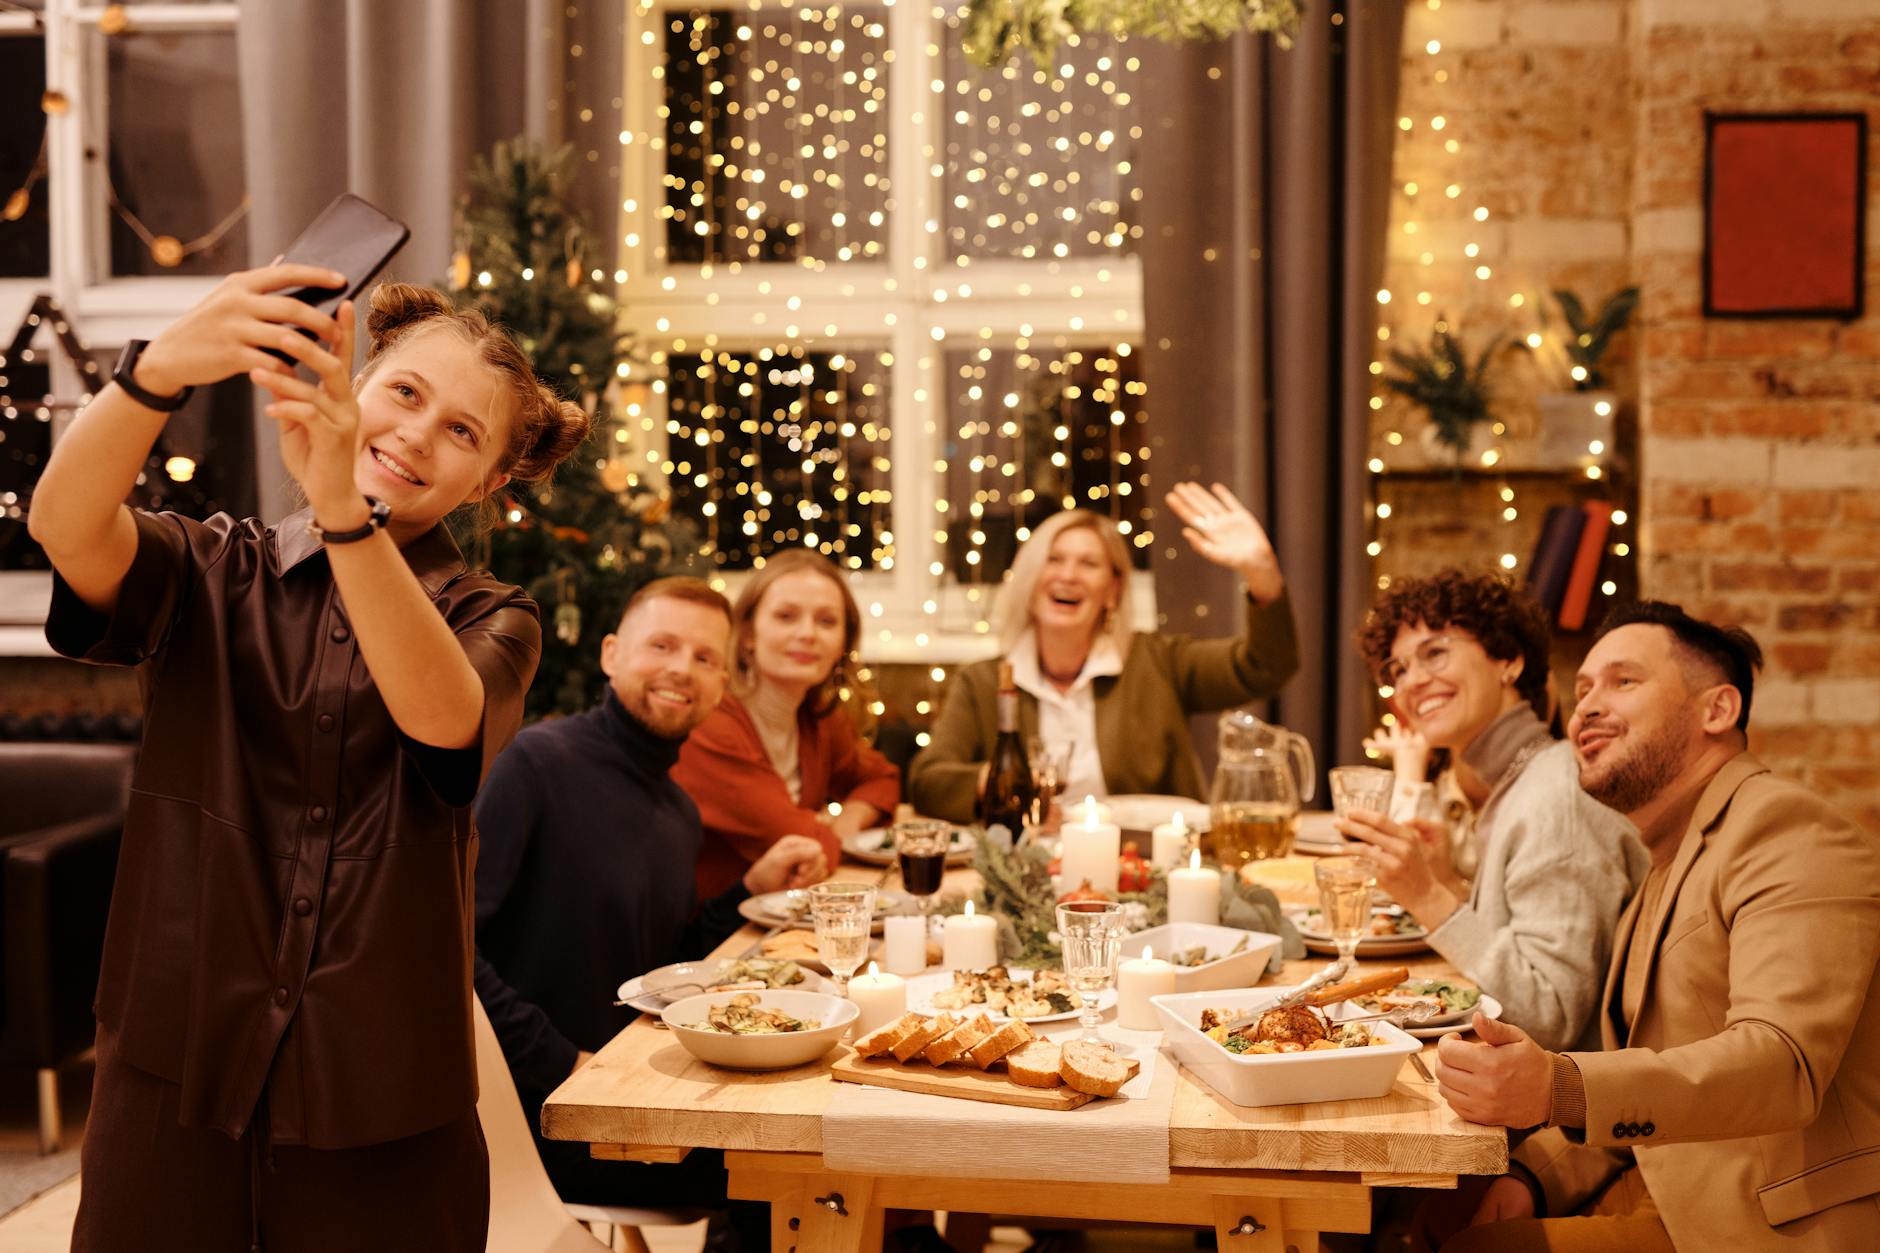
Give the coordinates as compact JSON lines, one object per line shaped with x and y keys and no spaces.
{"x":526,"y":1213}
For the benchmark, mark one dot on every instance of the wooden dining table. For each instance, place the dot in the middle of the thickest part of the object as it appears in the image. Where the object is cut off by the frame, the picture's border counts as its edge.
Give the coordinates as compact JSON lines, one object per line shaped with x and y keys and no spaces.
{"x":1268,"y":1179}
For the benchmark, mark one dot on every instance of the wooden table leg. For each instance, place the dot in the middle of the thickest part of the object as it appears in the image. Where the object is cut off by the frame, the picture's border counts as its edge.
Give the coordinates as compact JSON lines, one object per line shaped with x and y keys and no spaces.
{"x":827,"y":1214}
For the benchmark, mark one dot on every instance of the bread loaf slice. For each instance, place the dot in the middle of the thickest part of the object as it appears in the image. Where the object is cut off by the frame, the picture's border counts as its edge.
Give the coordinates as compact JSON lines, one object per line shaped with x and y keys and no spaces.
{"x":999,"y":1043}
{"x":953,"y":1045}
{"x":883,"y":1038}
{"x":916,"y":1041}
{"x":1092,"y":1068}
{"x":1035,"y":1065}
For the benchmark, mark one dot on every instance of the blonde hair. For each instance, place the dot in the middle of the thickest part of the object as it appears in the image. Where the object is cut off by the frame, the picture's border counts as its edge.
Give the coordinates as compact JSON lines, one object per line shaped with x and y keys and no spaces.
{"x":1011,"y":617}
{"x":546,"y":428}
{"x":845,"y":685}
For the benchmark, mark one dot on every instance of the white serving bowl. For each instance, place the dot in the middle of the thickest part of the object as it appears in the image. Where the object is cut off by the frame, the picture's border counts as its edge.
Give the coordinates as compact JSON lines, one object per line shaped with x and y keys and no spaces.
{"x":1278,"y":1078}
{"x":762,"y":1052}
{"x":1242,"y":970}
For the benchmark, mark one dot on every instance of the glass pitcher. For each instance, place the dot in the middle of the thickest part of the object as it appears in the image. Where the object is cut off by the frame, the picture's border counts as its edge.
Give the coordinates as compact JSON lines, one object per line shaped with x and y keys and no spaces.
{"x":1242,"y":733}
{"x":1253,"y":808}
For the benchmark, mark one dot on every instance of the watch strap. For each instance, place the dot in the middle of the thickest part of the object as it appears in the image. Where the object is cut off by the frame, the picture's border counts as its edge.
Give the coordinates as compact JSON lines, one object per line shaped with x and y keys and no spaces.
{"x":124,"y":374}
{"x":380,"y":514}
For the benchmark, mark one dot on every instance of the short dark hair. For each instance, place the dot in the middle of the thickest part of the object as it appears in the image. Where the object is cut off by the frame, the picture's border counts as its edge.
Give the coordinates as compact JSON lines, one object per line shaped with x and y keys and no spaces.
{"x":1730,"y":649}
{"x":1504,"y":621}
{"x":679,"y":587}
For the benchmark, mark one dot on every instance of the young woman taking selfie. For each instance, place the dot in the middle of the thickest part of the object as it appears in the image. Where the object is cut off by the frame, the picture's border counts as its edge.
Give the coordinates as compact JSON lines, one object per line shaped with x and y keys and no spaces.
{"x":284,"y":1041}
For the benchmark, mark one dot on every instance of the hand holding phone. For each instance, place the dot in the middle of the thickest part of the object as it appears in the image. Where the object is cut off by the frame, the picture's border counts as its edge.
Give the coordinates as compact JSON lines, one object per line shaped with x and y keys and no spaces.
{"x":351,"y":237}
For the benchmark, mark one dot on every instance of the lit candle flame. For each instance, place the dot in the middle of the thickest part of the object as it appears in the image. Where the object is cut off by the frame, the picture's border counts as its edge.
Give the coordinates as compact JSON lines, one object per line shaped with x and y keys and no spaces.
{"x":1148,"y":952}
{"x":1194,"y":860}
{"x":969,"y":909}
{"x":874,"y":968}
{"x":1090,"y":810}
{"x":1181,"y":823}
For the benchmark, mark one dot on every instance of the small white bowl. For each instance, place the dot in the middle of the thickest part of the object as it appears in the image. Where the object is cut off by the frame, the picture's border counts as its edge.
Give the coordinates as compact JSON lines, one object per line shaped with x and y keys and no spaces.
{"x":1242,"y":970}
{"x":1278,"y":1078}
{"x":762,"y":1052}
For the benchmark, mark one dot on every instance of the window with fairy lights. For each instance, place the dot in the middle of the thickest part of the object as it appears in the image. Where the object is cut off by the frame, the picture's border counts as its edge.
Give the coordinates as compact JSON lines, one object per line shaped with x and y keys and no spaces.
{"x":888,"y":301}
{"x":152,"y":210}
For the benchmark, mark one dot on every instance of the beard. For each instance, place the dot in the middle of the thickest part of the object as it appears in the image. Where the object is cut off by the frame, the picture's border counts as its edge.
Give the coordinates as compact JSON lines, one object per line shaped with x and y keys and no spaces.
{"x":1629,"y":782}
{"x":667,"y":724}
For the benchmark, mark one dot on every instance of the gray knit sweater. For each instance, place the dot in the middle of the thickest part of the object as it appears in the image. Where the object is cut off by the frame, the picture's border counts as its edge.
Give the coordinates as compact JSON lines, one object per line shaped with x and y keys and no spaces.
{"x":1556,"y":868}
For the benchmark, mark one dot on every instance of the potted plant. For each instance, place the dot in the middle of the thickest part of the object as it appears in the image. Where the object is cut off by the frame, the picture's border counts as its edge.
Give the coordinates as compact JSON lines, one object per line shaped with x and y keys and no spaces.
{"x":1453,"y":392}
{"x":1577,"y":425}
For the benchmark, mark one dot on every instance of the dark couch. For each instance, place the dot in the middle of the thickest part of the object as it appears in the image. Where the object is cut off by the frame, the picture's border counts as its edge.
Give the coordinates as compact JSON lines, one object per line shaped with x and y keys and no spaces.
{"x":61,"y":818}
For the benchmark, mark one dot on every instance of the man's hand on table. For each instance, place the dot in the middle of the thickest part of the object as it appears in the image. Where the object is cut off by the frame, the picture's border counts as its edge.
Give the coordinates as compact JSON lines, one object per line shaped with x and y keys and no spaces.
{"x":1505,"y":1080}
{"x":795,"y":861}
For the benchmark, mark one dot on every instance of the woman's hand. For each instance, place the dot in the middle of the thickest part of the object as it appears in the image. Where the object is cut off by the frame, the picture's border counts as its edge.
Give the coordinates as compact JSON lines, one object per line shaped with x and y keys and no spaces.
{"x":1409,"y":751}
{"x":1219,"y":528}
{"x":319,"y":422}
{"x":224,"y":335}
{"x":795,"y":861}
{"x":1407,"y":869}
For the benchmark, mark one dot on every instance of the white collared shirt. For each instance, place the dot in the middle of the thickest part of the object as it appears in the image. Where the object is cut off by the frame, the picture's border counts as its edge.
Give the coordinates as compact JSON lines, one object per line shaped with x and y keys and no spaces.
{"x":1069,"y":717}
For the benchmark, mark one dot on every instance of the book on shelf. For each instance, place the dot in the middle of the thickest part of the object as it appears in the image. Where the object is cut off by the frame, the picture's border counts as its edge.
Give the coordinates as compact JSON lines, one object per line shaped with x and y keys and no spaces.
{"x":1584,"y":575}
{"x":1554,"y":554}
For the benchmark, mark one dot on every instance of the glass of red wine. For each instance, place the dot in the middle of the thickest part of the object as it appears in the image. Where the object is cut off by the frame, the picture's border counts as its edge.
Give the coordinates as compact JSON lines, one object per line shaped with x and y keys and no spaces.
{"x":921,"y":846}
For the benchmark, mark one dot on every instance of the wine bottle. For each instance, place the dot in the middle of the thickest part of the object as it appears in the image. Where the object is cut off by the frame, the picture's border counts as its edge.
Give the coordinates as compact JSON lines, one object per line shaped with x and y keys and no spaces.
{"x":1007,"y":800}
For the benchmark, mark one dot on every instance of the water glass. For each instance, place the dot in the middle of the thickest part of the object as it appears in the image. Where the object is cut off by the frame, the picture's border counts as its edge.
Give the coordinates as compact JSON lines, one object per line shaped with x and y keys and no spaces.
{"x":1092,"y":934}
{"x":1050,"y":775}
{"x":843,"y":915}
{"x":1345,"y":887}
{"x":1361,"y":787}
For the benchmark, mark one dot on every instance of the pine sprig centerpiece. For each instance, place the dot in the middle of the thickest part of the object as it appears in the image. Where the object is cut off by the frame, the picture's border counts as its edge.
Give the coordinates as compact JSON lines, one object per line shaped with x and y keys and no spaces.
{"x":581,"y":544}
{"x":994,"y":29}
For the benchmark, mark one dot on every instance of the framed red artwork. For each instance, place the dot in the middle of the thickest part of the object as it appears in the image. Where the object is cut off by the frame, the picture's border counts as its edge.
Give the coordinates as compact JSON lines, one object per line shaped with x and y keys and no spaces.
{"x":1784,"y":214}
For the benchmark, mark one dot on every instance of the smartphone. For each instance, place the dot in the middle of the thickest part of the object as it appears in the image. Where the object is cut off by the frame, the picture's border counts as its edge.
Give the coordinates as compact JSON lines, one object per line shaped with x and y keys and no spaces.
{"x":352,"y":236}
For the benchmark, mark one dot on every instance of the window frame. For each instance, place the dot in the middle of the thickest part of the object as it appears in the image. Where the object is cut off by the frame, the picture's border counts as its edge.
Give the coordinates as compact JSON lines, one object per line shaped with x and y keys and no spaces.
{"x":868,"y":306}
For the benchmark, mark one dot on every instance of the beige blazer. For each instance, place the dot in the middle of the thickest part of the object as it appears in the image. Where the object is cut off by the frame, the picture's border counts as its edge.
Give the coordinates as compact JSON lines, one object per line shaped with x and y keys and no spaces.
{"x":1749,"y":1090}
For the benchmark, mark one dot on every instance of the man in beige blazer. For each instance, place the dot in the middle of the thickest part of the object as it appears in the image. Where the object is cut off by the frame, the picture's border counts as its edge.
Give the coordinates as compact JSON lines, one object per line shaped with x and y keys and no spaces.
{"x":1736,"y":1102}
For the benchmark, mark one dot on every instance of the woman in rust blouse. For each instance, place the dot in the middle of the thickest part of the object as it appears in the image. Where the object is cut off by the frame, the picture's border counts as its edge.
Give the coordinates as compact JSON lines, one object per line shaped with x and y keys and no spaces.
{"x":285,"y":1057}
{"x":784,"y":743}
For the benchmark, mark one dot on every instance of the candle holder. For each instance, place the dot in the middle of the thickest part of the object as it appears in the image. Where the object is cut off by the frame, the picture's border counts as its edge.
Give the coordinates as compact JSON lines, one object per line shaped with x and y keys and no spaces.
{"x":1092,"y":933}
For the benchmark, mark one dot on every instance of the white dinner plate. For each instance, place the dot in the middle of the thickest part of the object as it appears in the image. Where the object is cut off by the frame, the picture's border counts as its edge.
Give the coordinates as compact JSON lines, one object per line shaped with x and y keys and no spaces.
{"x":921,"y":989}
{"x":1319,"y":940}
{"x":791,"y":908}
{"x":875,"y":847}
{"x":1488,"y":1005}
{"x":634,"y":993}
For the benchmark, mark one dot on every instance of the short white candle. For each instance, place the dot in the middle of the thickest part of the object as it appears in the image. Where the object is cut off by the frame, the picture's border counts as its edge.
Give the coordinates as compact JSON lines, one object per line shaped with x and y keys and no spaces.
{"x":881,"y":997}
{"x":904,"y":943}
{"x":1194,"y":893}
{"x":1087,"y":809}
{"x":1136,"y":982}
{"x":970,"y":941}
{"x":1087,"y":853}
{"x":1170,"y":842}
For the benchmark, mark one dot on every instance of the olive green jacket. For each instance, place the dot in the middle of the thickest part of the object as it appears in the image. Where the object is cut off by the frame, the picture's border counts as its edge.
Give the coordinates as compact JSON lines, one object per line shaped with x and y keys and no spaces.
{"x":1142,"y":713}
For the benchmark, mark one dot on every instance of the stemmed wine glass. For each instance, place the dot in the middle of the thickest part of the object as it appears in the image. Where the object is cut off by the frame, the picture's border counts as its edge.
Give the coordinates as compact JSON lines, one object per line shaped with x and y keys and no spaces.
{"x":921,"y":845}
{"x":843,"y":914}
{"x":1050,"y":775}
{"x":1345,"y":887}
{"x":1092,"y":933}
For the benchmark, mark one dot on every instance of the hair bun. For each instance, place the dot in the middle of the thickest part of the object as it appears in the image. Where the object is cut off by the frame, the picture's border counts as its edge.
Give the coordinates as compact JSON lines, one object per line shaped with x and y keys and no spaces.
{"x":395,"y":307}
{"x":564,"y":426}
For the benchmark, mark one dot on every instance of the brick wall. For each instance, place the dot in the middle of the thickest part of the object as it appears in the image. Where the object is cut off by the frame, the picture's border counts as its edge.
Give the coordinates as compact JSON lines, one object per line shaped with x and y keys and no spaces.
{"x":1757,"y":447}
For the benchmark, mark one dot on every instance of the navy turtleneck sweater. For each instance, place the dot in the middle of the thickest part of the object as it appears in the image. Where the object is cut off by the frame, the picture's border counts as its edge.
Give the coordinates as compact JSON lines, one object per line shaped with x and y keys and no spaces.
{"x":584,"y":879}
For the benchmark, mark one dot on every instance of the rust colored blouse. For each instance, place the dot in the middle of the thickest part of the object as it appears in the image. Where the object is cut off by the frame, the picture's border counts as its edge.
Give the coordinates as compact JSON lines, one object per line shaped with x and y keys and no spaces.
{"x":743,"y":803}
{"x":294,"y":903}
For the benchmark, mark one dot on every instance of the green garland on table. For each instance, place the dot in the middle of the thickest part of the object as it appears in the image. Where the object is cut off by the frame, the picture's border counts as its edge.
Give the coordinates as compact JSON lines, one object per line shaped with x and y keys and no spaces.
{"x":1016,"y":890}
{"x":995,"y":28}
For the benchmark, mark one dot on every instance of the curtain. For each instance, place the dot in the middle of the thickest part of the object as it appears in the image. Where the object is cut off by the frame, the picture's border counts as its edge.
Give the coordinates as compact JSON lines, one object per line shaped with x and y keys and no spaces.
{"x":392,"y":101}
{"x":1266,"y":176}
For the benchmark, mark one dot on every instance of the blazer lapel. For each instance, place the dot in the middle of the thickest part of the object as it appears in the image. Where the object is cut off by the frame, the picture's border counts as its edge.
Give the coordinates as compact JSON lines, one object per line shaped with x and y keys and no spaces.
{"x":1621,"y":945}
{"x":1709,"y":811}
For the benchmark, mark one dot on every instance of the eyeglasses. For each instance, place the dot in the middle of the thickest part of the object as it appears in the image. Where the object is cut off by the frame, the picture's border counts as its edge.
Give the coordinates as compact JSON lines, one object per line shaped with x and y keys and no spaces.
{"x":1432,"y":655}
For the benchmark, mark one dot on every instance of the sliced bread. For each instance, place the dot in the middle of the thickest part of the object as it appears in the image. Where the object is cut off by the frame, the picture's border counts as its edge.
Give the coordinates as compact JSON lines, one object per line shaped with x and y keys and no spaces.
{"x":916,"y":1041}
{"x":1093,"y":1069}
{"x":1007,"y":1038}
{"x":883,"y":1038}
{"x":1035,"y":1065}
{"x":953,"y":1045}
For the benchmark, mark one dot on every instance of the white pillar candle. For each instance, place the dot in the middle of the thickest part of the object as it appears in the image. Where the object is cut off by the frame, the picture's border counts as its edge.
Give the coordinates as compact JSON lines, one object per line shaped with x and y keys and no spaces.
{"x":881,"y":997}
{"x":970,"y":941}
{"x":1088,"y":852}
{"x":1136,"y":982}
{"x":1087,"y":809}
{"x":1194,"y":893}
{"x":1170,"y":842}
{"x":904,"y":943}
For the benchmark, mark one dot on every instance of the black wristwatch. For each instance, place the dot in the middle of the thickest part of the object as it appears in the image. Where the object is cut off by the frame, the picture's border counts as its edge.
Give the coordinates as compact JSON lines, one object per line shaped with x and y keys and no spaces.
{"x":380,"y":514}
{"x":124,"y":375}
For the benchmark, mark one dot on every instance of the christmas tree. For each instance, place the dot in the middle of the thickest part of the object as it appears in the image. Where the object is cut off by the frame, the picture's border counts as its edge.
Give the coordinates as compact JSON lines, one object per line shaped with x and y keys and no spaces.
{"x":582,"y":543}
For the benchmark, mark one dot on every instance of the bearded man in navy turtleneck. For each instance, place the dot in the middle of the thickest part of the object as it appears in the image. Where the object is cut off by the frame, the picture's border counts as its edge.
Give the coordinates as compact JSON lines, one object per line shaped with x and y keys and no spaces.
{"x":585,"y":873}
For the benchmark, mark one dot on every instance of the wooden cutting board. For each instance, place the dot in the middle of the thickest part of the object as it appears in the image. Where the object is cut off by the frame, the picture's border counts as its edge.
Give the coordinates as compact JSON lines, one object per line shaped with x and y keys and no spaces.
{"x":964,"y":1083}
